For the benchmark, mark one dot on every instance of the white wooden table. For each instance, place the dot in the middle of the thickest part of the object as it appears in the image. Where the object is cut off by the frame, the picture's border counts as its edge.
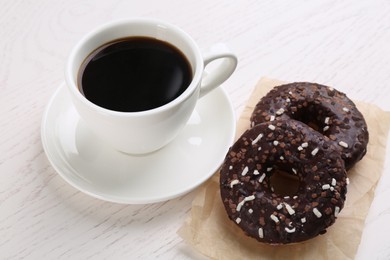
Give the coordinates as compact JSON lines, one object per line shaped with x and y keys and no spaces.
{"x":345,"y":44}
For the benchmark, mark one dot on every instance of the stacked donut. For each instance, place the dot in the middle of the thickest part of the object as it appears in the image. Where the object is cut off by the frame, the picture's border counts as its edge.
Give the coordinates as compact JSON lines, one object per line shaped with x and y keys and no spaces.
{"x":305,"y":130}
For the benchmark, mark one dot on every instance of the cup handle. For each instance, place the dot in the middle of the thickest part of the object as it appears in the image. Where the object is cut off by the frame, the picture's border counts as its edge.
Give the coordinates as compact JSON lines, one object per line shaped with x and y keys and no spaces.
{"x":217,"y":75}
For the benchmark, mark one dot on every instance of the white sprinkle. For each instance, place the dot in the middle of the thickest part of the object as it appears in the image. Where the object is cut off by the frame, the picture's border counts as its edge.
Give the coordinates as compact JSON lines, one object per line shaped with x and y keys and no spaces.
{"x":345,"y":109}
{"x":261,"y":233}
{"x":295,"y":197}
{"x":317,"y":213}
{"x":249,"y":198}
{"x":326,"y":120}
{"x":289,"y":230}
{"x":234,"y":182}
{"x":259,"y":148}
{"x":315,"y":151}
{"x":272,"y":127}
{"x":290,"y":210}
{"x":279,"y":207}
{"x":269,"y":169}
{"x":303,"y":220}
{"x":230,"y":167}
{"x":325,"y":128}
{"x":245,"y":171}
{"x":331,"y":189}
{"x":239,"y":205}
{"x":347,"y":181}
{"x":288,"y":100}
{"x":272,"y":118}
{"x":250,"y":211}
{"x":276,"y":143}
{"x":257,"y":139}
{"x":280,"y":111}
{"x":262,"y":178}
{"x":256,"y":172}
{"x":238,"y":220}
{"x":336,"y":211}
{"x":274,"y":218}
{"x":325,"y":187}
{"x":281,"y":158}
{"x":294,"y":171}
{"x":300,"y":148}
{"x":272,"y":189}
{"x":290,"y":92}
{"x":304,"y":145}
{"x":333,"y":182}
{"x":343,"y":144}
{"x":286,"y":197}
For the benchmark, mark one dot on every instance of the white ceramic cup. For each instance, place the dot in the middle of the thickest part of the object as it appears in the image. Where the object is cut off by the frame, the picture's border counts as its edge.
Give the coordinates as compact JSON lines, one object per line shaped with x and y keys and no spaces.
{"x":149,"y":130}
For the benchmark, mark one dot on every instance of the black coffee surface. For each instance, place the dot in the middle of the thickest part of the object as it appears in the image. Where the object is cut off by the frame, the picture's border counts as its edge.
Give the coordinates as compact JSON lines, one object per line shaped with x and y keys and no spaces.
{"x":134,"y":74}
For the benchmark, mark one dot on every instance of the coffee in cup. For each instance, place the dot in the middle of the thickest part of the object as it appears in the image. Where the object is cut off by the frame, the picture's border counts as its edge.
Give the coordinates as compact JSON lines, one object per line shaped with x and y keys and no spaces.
{"x":134,"y":74}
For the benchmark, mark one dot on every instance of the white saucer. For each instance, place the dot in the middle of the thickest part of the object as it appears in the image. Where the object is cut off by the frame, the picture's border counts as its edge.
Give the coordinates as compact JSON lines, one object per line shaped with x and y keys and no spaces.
{"x":102,"y":172}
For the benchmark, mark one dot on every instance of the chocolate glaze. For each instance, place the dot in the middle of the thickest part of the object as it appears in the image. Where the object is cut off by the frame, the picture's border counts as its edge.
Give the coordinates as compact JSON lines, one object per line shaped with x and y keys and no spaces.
{"x":247,"y":194}
{"x":327,"y":110}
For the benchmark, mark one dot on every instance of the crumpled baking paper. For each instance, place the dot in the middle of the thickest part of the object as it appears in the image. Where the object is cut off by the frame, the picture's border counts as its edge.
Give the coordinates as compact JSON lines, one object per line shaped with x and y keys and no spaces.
{"x":210,"y":232}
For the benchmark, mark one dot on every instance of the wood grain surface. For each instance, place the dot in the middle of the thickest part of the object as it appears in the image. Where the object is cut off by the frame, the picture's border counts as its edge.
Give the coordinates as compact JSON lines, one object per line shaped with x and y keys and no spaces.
{"x":344,"y":44}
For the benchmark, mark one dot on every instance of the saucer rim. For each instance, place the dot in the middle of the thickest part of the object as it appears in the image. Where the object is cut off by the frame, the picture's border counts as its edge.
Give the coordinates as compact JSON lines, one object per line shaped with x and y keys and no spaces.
{"x":122,"y":199}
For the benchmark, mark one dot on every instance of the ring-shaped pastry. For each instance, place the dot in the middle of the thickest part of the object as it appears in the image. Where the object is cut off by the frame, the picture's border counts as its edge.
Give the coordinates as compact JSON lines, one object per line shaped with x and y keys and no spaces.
{"x":323,"y":108}
{"x":291,"y":147}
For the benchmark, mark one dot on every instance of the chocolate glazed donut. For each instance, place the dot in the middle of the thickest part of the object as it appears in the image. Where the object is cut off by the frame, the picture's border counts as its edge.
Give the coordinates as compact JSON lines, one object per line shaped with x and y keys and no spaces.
{"x":325,"y":109}
{"x":291,"y":147}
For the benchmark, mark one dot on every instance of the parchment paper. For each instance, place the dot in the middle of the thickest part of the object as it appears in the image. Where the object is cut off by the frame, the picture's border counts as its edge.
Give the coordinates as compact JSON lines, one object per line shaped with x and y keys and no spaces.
{"x":209,"y":230}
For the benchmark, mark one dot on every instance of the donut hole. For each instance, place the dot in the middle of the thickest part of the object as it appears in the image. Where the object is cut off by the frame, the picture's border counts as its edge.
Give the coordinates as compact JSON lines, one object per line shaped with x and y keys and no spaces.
{"x":284,"y":183}
{"x":312,"y":116}
{"x":314,"y":125}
